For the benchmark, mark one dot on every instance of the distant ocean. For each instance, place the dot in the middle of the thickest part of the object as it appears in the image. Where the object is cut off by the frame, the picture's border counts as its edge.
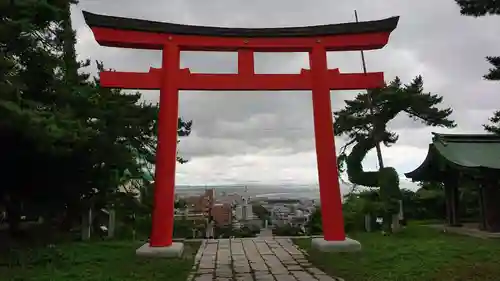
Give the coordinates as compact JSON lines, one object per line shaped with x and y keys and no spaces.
{"x":283,"y":191}
{"x":260,"y":191}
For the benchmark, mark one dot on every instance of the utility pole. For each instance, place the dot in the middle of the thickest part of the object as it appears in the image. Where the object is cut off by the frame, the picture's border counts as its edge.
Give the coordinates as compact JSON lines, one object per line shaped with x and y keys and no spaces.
{"x":370,"y":107}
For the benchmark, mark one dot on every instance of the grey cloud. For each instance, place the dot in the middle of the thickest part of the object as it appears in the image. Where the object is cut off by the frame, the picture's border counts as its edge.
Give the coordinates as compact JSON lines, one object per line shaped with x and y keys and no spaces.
{"x":446,"y":48}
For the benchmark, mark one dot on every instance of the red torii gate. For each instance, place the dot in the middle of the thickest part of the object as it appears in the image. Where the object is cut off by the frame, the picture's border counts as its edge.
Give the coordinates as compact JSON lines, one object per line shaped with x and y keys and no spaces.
{"x":174,"y":38}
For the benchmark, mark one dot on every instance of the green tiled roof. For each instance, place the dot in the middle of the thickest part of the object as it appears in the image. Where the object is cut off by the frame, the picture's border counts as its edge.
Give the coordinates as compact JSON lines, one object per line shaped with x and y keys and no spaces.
{"x":458,"y":151}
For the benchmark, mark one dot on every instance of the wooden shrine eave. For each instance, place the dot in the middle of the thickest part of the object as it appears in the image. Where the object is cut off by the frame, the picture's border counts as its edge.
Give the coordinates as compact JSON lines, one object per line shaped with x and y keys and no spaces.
{"x":479,"y":152}
{"x":239,"y":82}
{"x":385,"y":25}
{"x":143,"y":34}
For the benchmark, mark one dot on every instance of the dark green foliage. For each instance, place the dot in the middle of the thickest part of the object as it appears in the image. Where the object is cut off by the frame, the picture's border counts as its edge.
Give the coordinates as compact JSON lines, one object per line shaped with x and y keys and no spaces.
{"x":477,"y":8}
{"x":315,"y":225}
{"x":183,"y":228}
{"x":287,"y":230}
{"x":140,"y":228}
{"x":367,"y":128}
{"x":180,"y":204}
{"x":229,"y":231}
{"x":245,"y":232}
{"x":494,"y":73}
{"x":494,"y":127}
{"x":354,"y":209}
{"x":69,"y":143}
{"x":389,"y":178}
{"x":261,"y":212}
{"x":253,"y":228}
{"x":427,"y":203}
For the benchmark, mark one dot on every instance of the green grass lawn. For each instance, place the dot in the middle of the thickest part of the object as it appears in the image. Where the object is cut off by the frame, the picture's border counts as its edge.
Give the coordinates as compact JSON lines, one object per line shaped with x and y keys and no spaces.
{"x":93,"y":261}
{"x":418,"y":253}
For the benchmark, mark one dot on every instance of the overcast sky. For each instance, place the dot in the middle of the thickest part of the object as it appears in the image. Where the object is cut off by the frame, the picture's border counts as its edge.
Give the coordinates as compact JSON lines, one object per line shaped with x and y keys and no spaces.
{"x":267,"y":137}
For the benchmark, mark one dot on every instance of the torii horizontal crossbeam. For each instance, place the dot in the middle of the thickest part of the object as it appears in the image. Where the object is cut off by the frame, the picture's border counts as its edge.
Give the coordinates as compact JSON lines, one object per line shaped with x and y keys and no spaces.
{"x":142,"y":34}
{"x":237,"y":82}
{"x":155,"y":41}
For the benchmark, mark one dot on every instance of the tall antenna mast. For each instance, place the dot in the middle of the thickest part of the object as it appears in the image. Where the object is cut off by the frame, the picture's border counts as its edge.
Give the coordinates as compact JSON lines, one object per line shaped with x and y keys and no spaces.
{"x":370,"y":105}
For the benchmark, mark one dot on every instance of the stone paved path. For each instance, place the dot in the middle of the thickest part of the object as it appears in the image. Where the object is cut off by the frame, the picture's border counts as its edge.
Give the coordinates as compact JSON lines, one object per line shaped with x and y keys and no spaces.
{"x":254,"y":259}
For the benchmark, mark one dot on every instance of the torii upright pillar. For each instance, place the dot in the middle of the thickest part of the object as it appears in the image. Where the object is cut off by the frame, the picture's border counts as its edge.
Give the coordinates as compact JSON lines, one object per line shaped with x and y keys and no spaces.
{"x":174,"y":38}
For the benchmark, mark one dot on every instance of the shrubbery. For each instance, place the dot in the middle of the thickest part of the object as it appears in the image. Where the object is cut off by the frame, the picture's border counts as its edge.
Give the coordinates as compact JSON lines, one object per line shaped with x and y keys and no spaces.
{"x":428,"y":203}
{"x":288,"y":230}
{"x":228,"y":231}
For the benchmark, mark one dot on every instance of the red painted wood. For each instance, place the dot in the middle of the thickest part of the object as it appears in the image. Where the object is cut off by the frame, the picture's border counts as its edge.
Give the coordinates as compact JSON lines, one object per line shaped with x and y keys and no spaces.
{"x":329,"y":188}
{"x":148,"y":40}
{"x":131,"y":80}
{"x":170,"y":79}
{"x":241,"y":82}
{"x":246,"y":65}
{"x":166,"y":150}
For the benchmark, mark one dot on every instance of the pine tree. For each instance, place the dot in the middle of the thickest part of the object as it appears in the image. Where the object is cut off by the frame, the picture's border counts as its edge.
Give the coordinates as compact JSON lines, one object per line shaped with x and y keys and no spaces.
{"x":366,"y":128}
{"x":494,"y":127}
{"x":479,"y":8}
{"x":67,"y":141}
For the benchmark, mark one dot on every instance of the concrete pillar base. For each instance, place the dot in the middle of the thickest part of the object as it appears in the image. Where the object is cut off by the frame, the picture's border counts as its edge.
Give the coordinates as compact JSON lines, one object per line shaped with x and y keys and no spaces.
{"x":347,"y":245}
{"x":173,"y":251}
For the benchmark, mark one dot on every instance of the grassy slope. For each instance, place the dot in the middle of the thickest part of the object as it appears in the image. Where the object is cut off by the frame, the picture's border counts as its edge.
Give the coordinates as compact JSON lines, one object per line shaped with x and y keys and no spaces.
{"x":419,"y":253}
{"x":93,"y":261}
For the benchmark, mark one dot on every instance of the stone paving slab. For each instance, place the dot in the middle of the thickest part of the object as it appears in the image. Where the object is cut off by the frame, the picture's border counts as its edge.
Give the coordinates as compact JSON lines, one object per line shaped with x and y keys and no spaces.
{"x":254,"y":259}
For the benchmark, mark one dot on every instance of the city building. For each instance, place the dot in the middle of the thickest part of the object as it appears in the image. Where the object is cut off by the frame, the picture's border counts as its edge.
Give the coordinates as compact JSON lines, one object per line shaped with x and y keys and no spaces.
{"x":222,"y":214}
{"x":227,"y":209}
{"x":238,"y":212}
{"x":201,"y":203}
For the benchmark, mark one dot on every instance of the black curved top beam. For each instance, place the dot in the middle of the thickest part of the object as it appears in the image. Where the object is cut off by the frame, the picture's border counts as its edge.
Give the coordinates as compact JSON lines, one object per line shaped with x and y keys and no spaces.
{"x":385,"y":25}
